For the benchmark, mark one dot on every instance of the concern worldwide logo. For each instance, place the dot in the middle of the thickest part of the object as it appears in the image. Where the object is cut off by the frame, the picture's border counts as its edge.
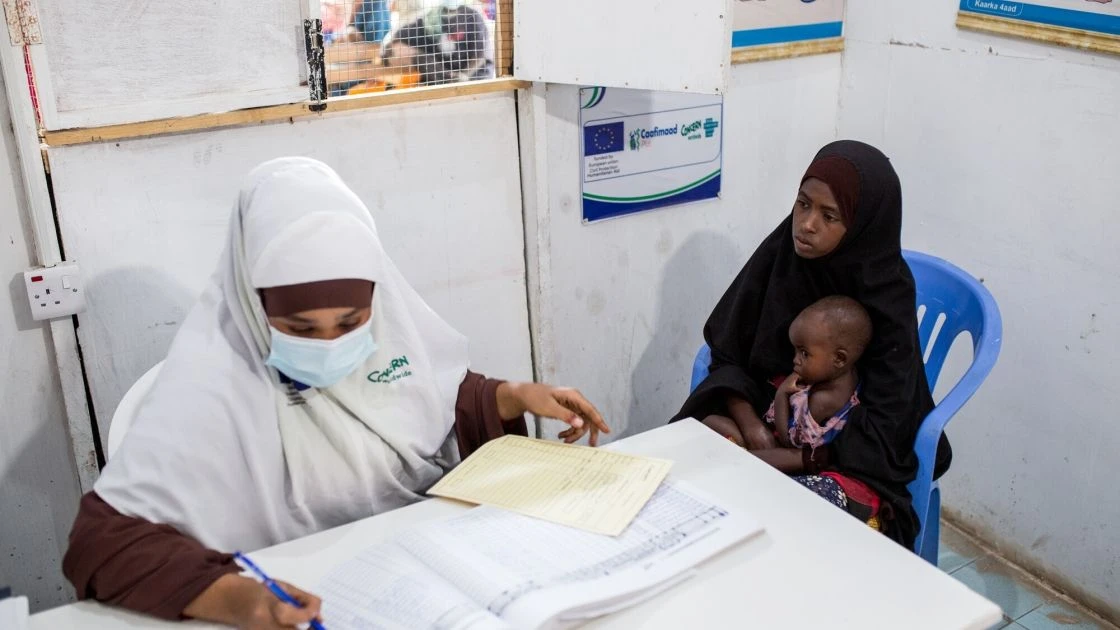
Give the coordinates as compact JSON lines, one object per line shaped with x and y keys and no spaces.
{"x":695,"y":130}
{"x":710,"y":126}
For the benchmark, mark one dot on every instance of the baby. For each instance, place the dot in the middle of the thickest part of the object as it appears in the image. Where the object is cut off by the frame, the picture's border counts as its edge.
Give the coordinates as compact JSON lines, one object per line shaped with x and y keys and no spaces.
{"x":813,"y":402}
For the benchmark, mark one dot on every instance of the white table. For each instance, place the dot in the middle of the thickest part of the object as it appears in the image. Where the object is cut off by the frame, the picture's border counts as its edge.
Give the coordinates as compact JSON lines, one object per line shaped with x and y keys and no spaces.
{"x":814,"y":567}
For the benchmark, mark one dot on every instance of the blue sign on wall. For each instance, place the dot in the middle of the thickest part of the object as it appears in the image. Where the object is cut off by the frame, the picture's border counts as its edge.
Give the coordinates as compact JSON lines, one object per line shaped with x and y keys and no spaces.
{"x":1093,"y":16}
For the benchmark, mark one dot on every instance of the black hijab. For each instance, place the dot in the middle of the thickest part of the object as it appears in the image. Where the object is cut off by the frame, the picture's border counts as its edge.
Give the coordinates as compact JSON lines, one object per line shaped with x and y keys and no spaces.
{"x":748,"y":333}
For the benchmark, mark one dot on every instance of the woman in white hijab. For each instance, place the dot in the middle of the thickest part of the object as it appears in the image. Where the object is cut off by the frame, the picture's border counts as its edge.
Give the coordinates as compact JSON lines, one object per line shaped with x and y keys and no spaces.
{"x":310,"y":387}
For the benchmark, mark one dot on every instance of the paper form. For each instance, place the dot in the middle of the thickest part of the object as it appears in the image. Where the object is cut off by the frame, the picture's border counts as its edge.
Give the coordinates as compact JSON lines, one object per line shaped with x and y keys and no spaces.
{"x":593,"y":489}
{"x":489,"y":568}
{"x":387,"y":588}
{"x":495,"y":557}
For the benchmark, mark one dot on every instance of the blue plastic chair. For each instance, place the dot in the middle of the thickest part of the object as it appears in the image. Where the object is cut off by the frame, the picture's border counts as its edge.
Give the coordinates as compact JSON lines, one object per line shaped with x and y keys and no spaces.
{"x":949,"y":295}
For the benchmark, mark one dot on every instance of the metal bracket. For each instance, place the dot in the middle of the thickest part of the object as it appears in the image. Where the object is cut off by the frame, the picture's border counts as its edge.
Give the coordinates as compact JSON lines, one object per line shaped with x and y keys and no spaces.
{"x":23,"y":22}
{"x":316,"y":69}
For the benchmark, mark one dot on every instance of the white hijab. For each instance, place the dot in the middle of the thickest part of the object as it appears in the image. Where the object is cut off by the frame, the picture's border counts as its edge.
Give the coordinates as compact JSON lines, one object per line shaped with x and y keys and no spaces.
{"x":226,"y":453}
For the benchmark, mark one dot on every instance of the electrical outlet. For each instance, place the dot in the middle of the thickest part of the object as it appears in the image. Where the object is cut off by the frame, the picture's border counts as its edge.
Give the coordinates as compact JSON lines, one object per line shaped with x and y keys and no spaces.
{"x":55,"y":291}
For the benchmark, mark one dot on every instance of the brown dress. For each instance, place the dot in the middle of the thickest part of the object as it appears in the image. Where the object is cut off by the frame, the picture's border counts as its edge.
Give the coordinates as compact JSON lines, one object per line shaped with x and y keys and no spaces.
{"x":156,"y":569}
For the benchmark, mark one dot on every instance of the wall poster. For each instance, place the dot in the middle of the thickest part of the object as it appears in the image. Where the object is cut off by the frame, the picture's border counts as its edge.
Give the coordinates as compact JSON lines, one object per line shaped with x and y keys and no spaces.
{"x":1085,"y":24}
{"x":642,"y":150}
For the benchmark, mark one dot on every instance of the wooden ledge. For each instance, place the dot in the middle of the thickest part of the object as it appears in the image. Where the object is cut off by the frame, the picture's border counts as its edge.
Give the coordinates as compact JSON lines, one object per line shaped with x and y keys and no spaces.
{"x":788,"y":50}
{"x":1069,"y":37}
{"x":273,"y":113}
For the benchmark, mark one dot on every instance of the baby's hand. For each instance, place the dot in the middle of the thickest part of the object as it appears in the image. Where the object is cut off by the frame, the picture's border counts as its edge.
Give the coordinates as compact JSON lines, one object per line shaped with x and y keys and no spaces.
{"x":791,"y":385}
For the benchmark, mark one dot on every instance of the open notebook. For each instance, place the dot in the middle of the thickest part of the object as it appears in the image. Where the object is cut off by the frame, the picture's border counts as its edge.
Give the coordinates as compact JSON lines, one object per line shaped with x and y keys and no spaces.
{"x":489,"y":568}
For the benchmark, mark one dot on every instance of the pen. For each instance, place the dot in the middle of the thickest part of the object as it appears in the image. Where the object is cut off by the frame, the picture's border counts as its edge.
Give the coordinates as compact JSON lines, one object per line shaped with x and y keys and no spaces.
{"x":244,"y":562}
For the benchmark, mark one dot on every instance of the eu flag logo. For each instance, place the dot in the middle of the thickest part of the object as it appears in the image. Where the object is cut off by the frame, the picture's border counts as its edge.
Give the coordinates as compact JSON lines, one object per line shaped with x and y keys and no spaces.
{"x":606,"y":138}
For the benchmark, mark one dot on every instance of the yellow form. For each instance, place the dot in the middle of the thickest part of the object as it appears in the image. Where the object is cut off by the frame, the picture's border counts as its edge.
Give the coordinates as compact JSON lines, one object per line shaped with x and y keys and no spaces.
{"x":593,"y":489}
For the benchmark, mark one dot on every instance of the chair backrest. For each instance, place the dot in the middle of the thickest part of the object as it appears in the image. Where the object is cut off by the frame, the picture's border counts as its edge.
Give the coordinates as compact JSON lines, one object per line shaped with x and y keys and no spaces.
{"x":700,"y":366}
{"x":126,"y":410}
{"x":950,"y":302}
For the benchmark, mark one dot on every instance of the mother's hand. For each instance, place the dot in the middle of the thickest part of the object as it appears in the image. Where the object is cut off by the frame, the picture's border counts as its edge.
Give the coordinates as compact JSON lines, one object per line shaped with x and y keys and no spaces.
{"x":562,"y":403}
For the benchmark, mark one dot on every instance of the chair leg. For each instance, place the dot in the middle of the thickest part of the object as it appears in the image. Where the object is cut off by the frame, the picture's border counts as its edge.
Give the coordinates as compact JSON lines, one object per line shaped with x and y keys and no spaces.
{"x":931,"y":534}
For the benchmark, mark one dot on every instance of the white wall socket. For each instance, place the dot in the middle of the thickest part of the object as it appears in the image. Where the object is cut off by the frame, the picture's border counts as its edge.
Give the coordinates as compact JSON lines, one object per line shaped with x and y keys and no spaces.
{"x":55,"y":291}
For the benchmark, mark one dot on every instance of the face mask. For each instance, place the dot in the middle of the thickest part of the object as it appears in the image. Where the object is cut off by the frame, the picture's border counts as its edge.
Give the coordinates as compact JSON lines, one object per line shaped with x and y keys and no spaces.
{"x":317,"y":362}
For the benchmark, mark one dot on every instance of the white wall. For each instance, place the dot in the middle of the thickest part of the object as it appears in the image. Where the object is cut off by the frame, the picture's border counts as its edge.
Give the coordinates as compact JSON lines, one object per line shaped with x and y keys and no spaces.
{"x":620,"y":305}
{"x":1007,"y":153}
{"x":38,"y":482}
{"x":147,"y":221}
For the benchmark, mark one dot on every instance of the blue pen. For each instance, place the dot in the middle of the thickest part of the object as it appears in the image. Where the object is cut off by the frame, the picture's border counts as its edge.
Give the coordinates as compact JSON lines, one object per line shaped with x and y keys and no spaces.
{"x":244,"y":562}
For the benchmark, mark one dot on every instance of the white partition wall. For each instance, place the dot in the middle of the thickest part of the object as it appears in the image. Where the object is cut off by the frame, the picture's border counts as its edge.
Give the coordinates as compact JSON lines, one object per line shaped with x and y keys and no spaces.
{"x":147,"y":220}
{"x":38,"y":487}
{"x":641,"y":44}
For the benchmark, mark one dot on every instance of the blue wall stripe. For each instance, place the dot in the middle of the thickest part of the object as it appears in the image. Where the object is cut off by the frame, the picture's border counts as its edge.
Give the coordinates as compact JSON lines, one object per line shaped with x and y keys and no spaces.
{"x":595,"y":210}
{"x":786,"y":34}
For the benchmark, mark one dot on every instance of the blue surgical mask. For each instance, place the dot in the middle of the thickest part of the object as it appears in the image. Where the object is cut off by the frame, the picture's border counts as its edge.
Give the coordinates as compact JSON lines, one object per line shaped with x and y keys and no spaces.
{"x":318,"y":362}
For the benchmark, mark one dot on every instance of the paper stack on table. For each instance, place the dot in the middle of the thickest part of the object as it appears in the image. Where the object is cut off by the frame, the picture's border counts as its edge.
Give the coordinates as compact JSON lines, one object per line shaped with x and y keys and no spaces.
{"x":593,"y":489}
{"x":488,"y":568}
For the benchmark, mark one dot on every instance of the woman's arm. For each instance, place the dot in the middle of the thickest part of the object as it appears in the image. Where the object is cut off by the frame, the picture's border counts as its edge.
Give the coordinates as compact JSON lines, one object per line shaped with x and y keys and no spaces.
{"x":726,"y":427}
{"x":135,"y":564}
{"x":788,"y":460}
{"x":478,"y":419}
{"x":155,"y":569}
{"x":488,"y":408}
{"x":755,"y":433}
{"x":795,"y":461}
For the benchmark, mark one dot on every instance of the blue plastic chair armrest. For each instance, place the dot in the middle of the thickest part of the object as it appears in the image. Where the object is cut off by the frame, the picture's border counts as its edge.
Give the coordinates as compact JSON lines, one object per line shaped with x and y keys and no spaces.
{"x":700,"y":366}
{"x":925,"y":446}
{"x":929,"y":433}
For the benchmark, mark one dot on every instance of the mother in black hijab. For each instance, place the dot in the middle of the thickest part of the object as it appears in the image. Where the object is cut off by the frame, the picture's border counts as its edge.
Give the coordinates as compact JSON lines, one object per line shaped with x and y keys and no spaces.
{"x":842,"y":238}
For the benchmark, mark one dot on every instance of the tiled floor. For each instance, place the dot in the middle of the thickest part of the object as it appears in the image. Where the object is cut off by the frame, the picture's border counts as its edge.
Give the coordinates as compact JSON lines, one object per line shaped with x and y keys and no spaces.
{"x":1026,"y":604}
